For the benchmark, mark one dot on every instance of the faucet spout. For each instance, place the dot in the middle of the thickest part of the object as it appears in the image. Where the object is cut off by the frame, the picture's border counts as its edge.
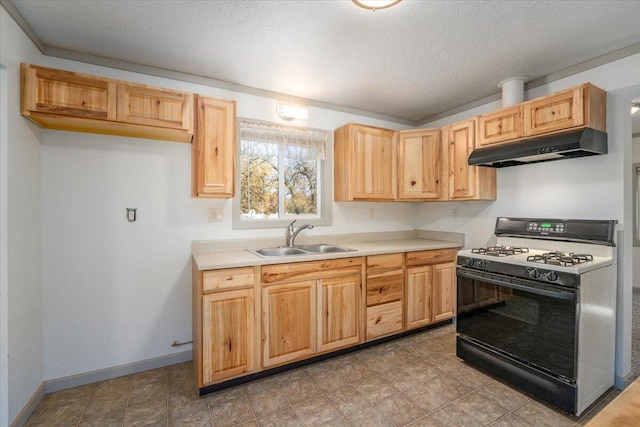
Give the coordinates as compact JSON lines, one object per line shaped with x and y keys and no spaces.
{"x":291,"y":234}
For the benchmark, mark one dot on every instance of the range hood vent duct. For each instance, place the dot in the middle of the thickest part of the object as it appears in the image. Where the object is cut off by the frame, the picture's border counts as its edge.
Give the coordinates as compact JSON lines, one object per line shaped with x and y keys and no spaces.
{"x":512,"y":90}
{"x":585,"y":142}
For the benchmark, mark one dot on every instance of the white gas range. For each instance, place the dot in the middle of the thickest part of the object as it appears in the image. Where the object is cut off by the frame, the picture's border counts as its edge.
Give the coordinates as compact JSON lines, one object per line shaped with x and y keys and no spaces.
{"x":538,"y":308}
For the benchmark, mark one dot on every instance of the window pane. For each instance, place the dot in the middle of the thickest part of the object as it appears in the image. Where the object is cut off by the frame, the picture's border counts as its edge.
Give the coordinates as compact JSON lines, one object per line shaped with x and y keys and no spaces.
{"x":300,"y":181}
{"x":258,"y":180}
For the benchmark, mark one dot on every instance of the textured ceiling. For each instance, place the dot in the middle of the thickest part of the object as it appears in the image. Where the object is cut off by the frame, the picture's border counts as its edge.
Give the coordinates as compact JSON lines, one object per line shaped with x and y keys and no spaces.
{"x":411,"y":61}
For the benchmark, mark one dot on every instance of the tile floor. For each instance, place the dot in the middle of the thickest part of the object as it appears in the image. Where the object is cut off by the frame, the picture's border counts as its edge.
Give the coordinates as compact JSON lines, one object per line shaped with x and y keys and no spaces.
{"x":413,"y":381}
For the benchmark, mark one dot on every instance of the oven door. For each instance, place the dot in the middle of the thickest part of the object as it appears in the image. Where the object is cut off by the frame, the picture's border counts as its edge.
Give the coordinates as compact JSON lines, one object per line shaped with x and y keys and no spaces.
{"x":533,"y":322}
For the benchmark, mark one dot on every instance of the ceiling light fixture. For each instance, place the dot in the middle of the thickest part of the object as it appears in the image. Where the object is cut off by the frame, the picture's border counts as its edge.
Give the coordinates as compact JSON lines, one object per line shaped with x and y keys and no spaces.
{"x":376,"y":4}
{"x":635,"y":108}
{"x":291,"y":112}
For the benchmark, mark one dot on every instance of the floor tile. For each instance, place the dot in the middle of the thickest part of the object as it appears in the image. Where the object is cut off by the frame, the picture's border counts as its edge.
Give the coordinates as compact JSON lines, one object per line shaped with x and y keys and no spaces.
{"x":225,"y":395}
{"x":148,"y":413}
{"x":267,"y":402}
{"x":99,"y":406}
{"x":150,"y":376}
{"x":111,"y":419}
{"x":259,"y":386}
{"x":374,"y":389}
{"x":300,"y":389}
{"x":231,"y":412}
{"x":354,"y":371}
{"x":282,"y":418}
{"x":368,"y":417}
{"x":336,"y":422}
{"x":181,"y":405}
{"x":115,"y":387}
{"x":438,"y":392}
{"x":146,"y":390}
{"x":453,"y":416}
{"x":470,"y":377}
{"x":64,"y":415}
{"x":541,"y":415}
{"x":425,"y":422}
{"x":399,"y":410}
{"x":330,"y":380}
{"x":484,"y":408}
{"x":315,"y":411}
{"x":508,"y":397}
{"x":347,"y":400}
{"x":72,"y":395}
{"x":195,"y":419}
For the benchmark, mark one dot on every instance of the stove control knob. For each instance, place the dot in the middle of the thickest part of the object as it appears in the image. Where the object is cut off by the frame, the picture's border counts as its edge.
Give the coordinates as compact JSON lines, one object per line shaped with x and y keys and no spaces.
{"x":470,"y":262}
{"x":551,"y":276}
{"x":534,"y":273}
{"x":483,"y":263}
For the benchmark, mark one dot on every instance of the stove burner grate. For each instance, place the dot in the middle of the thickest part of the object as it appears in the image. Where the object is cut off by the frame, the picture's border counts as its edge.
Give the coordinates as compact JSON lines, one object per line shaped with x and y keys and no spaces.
{"x":563,"y":259}
{"x":500,"y":250}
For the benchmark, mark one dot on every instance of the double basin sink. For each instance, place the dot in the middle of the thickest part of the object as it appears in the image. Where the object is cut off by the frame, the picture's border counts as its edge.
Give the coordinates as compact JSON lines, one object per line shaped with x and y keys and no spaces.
{"x":281,"y":251}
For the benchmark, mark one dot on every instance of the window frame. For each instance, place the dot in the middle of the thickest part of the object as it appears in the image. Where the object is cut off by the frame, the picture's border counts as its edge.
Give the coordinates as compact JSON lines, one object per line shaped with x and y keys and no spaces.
{"x":636,"y":204}
{"x":325,"y":189}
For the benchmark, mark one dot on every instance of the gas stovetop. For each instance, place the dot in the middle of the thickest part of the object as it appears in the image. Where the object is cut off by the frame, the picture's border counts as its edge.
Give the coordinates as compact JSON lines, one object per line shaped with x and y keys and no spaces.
{"x":552,"y":251}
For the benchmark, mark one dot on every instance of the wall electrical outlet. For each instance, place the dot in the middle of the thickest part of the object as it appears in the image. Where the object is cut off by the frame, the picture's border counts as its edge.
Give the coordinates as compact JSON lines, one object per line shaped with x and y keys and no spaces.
{"x":454,"y":213}
{"x":131,"y":214}
{"x":216,"y":215}
{"x":372,"y":213}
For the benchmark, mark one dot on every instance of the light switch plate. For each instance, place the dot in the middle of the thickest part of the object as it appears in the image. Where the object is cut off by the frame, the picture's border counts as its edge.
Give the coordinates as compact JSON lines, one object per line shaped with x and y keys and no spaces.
{"x":216,"y":215}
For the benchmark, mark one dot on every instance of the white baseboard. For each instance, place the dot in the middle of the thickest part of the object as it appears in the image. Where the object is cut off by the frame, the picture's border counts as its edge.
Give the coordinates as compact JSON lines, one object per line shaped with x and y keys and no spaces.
{"x":116,"y":371}
{"x":28,"y":409}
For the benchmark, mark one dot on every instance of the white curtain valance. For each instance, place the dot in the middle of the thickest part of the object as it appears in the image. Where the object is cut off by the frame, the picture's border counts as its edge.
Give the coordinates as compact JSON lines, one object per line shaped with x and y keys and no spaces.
{"x":313,"y":139}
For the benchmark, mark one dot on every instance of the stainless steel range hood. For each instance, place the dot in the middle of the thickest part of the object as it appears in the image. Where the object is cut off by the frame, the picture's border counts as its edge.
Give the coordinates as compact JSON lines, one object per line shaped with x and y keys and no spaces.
{"x":585,"y":142}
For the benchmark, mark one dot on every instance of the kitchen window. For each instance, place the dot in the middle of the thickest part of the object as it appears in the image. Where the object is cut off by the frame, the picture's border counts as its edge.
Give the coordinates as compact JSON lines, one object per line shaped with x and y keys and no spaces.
{"x":282,"y":175}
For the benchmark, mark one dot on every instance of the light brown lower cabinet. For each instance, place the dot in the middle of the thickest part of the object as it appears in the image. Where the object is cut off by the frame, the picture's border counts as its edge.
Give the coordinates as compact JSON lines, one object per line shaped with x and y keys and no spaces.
{"x":249,"y":319}
{"x":288,"y":322}
{"x":227,"y":339}
{"x":430,"y":288}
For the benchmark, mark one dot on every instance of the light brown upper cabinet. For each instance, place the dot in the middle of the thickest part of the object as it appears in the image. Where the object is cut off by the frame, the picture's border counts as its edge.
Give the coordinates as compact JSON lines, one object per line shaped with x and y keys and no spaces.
{"x":149,"y":106}
{"x":584,"y":105}
{"x":467,"y":182}
{"x":422,"y":161}
{"x":364,"y":163}
{"x":214,"y":148}
{"x":64,"y":100}
{"x":499,"y":126}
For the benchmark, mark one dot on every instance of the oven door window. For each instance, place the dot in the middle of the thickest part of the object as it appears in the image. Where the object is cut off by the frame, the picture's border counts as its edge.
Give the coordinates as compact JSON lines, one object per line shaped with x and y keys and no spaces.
{"x":537,"y":329}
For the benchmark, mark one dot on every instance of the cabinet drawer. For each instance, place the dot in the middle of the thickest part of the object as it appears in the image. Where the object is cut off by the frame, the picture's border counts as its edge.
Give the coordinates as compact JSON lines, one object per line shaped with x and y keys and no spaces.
{"x":281,"y":273}
{"x":384,"y":289}
{"x":431,"y":257}
{"x":383,"y":262}
{"x":384,"y":319}
{"x":213,"y":280}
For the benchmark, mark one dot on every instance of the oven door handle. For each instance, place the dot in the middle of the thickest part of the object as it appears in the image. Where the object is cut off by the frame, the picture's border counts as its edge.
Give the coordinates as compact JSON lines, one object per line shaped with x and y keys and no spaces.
{"x":569,"y":296}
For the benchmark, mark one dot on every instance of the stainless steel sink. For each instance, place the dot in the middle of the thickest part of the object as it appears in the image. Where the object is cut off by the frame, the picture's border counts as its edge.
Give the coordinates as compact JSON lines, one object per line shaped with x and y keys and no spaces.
{"x":324,"y":248}
{"x":281,"y":251}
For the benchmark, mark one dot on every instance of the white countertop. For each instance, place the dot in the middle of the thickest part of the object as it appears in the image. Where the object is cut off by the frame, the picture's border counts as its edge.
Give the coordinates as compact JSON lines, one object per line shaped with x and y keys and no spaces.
{"x":216,"y":259}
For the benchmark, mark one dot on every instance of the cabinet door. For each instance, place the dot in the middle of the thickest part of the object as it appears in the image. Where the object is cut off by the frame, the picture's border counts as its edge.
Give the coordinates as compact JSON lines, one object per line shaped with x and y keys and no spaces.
{"x":227,"y":334}
{"x":214,"y":148}
{"x":500,"y":126}
{"x":420,"y":164}
{"x":339,"y":301}
{"x":419,"y":293}
{"x":45,"y":90}
{"x":463,"y":178}
{"x":559,"y":111}
{"x":149,"y":106}
{"x":288,"y":322}
{"x":374,"y":169}
{"x":444,"y":292}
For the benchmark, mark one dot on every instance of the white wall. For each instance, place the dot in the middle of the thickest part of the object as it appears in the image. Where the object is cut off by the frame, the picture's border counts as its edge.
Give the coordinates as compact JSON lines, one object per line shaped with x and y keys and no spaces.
{"x":116,"y":292}
{"x":636,"y":250}
{"x":21,"y":193}
{"x":592,"y":187}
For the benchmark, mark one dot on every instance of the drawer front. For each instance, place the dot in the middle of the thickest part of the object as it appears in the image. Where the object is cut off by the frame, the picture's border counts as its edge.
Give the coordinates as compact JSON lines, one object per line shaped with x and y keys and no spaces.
{"x":384,"y":319}
{"x":431,"y":257}
{"x":381,"y":262}
{"x":384,"y":289}
{"x":293,"y":272}
{"x":215,"y":280}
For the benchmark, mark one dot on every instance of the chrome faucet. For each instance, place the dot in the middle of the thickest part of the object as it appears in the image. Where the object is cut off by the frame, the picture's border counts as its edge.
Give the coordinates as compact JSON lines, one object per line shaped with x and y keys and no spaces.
{"x":291,"y":234}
